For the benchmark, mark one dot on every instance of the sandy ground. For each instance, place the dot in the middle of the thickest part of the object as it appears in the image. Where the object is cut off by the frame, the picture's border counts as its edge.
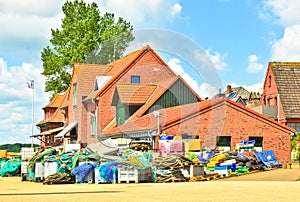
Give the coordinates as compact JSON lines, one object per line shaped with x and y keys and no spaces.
{"x":274,"y":185}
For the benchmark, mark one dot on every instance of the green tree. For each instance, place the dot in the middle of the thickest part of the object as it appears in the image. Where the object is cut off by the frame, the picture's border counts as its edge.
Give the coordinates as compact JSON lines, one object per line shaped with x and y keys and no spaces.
{"x":84,"y":37}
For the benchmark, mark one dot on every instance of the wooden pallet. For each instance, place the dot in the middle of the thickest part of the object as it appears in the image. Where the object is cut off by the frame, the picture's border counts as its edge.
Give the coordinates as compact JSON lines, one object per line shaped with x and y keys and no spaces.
{"x":126,"y":181}
{"x":174,"y":179}
{"x":193,"y":164}
{"x":204,"y":177}
{"x":175,"y":167}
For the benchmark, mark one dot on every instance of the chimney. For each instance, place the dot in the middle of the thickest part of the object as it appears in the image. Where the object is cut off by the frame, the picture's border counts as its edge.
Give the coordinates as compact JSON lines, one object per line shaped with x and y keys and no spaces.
{"x":228,"y":91}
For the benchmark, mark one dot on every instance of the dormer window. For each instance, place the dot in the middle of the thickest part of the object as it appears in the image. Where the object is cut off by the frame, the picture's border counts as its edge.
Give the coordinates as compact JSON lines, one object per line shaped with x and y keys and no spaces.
{"x":135,"y":79}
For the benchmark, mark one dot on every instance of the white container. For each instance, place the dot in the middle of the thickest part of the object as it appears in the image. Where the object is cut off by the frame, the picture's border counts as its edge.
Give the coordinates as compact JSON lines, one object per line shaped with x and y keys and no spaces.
{"x":128,"y":174}
{"x":27,"y":152}
{"x":24,"y":167}
{"x":39,"y":171}
{"x":221,"y":172}
{"x":50,"y":168}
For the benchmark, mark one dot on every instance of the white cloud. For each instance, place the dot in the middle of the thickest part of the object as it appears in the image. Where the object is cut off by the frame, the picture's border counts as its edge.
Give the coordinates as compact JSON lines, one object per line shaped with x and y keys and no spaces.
{"x":254,"y":66}
{"x":288,"y":47}
{"x":26,"y":27}
{"x":207,"y":91}
{"x":143,"y":12}
{"x":175,"y":65}
{"x":31,"y":7}
{"x":16,"y":101}
{"x":286,"y":11}
{"x":176,"y":10}
{"x":216,"y":59}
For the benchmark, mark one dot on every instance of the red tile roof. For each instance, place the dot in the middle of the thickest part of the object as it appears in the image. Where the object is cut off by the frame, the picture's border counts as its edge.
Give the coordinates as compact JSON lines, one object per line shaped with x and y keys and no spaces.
{"x":176,"y":114}
{"x":86,"y":74}
{"x":122,"y":65}
{"x":55,"y":102}
{"x":162,"y":87}
{"x":133,"y":94}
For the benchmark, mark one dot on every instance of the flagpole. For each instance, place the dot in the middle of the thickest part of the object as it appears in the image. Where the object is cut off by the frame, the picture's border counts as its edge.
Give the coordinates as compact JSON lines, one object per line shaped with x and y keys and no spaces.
{"x":32,"y":113}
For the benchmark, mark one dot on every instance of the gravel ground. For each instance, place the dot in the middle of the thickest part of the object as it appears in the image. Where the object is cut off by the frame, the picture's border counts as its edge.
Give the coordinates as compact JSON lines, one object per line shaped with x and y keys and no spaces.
{"x":274,"y":185}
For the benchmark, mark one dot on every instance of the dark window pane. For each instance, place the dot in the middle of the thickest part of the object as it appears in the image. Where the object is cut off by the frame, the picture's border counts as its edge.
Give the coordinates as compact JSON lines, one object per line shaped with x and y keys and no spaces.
{"x":224,"y":141}
{"x":135,"y":79}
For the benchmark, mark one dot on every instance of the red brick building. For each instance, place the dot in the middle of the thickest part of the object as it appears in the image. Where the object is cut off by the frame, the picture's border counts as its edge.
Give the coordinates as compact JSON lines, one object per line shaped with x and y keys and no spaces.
{"x":219,"y":122}
{"x":52,"y":123}
{"x":94,"y":101}
{"x":281,"y":90}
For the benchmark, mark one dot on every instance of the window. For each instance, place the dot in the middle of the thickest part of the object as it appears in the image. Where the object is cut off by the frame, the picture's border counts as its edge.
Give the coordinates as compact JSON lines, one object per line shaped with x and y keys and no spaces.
{"x":223,"y":141}
{"x":93,"y":124}
{"x":258,"y":141}
{"x":75,"y":94}
{"x":270,"y":81}
{"x":135,"y":79}
{"x":296,"y":126}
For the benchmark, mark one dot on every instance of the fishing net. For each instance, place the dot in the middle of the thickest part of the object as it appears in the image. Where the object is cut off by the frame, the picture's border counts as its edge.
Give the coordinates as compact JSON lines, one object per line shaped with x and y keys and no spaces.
{"x":136,"y":159}
{"x":108,"y":170}
{"x":11,"y":167}
{"x":58,"y":178}
{"x":82,"y":171}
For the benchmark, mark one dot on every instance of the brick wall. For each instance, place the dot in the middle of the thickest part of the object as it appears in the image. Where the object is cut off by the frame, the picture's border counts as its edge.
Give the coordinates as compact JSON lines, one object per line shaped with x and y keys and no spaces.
{"x":270,"y":95}
{"x":150,"y":70}
{"x":240,"y":124}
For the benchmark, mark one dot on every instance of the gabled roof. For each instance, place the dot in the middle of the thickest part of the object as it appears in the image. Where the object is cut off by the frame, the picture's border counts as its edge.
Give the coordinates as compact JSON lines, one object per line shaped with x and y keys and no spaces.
{"x":162,"y":87}
{"x":86,"y":74}
{"x":151,"y":97}
{"x":133,"y":94}
{"x":287,"y":79}
{"x":55,"y":102}
{"x":122,"y":65}
{"x":177,"y":114}
{"x":57,"y":116}
{"x":240,"y":91}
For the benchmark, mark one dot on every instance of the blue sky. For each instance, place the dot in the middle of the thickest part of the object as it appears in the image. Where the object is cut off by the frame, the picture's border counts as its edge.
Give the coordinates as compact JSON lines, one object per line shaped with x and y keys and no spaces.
{"x":239,"y":37}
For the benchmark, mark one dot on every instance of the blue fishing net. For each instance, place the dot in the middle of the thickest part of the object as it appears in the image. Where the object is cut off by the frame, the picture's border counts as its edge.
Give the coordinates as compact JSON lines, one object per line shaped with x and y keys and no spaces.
{"x":82,"y":171}
{"x":108,"y":170}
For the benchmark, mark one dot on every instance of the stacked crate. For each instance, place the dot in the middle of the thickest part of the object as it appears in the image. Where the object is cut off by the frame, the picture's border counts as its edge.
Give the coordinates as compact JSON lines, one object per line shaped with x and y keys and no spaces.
{"x":50,"y":168}
{"x":39,"y":172}
{"x":129,"y":174}
{"x":26,"y":154}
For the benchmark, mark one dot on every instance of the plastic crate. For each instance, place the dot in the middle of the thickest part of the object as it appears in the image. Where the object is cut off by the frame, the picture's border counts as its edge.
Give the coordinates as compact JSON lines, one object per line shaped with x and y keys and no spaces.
{"x":50,"y":168}
{"x":39,"y":172}
{"x":222,"y":172}
{"x":195,"y":170}
{"x":130,"y":174}
{"x":224,"y":167}
{"x":24,"y":167}
{"x":27,"y":152}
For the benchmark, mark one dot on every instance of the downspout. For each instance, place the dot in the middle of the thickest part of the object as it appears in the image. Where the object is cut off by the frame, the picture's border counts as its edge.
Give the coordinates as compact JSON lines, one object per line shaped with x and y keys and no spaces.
{"x":278,"y":108}
{"x":96,"y":114}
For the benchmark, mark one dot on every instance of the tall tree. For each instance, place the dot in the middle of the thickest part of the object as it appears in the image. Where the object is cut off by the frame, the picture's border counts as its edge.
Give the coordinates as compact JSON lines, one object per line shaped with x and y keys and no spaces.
{"x":84,"y":37}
